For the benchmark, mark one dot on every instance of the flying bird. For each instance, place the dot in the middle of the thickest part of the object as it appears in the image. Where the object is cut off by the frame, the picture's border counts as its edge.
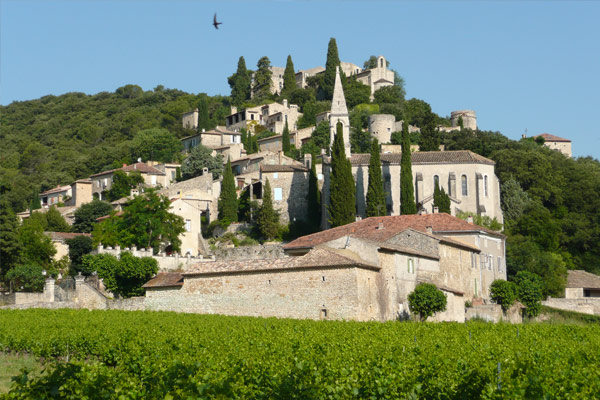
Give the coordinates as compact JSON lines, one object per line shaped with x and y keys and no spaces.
{"x":215,"y":23}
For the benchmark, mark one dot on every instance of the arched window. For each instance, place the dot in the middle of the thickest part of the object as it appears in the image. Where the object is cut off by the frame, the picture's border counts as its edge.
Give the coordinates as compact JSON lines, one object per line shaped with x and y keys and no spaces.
{"x":381,"y":62}
{"x":436,"y":181}
{"x":465,"y":187}
{"x":485,"y":186}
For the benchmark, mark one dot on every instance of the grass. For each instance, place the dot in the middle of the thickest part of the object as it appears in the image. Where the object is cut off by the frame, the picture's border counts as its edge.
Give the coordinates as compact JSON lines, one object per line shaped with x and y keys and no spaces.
{"x":568,"y":317}
{"x":11,"y":365}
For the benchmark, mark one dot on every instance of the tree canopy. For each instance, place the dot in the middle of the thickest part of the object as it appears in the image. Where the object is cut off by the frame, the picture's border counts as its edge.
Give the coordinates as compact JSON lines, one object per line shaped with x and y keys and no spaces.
{"x":156,"y":144}
{"x":200,"y":157}
{"x":342,"y":189}
{"x":426,"y":300}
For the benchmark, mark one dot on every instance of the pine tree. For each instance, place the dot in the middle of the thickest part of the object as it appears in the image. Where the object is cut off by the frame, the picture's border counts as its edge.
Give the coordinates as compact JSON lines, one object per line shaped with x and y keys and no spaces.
{"x":342,"y":191}
{"x":203,"y":118}
{"x":407,"y":189}
{"x":440,"y":199}
{"x":333,"y":61}
{"x":376,"y":205}
{"x":262,"y":79}
{"x":285,"y":140}
{"x":314,"y":196}
{"x":240,"y":83}
{"x":289,"y":78}
{"x":228,"y":204}
{"x":267,"y":218}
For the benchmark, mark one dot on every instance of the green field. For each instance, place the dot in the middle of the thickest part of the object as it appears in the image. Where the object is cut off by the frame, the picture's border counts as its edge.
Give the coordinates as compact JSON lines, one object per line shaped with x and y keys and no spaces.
{"x":146,"y":355}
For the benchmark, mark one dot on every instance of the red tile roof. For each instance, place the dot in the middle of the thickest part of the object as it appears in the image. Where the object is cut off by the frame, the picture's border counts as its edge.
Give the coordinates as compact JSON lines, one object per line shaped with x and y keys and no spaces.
{"x":141,"y":167}
{"x":427,"y":157}
{"x":165,"y":279}
{"x":57,"y":189}
{"x":369,"y":229}
{"x":552,"y":138}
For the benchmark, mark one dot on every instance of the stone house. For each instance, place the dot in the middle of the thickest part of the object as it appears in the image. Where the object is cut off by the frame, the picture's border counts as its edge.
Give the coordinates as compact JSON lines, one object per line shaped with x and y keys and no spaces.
{"x":582,"y":293}
{"x":469,"y":120}
{"x":360,"y":271}
{"x":192,"y":210}
{"x":382,"y":126}
{"x":273,"y":116}
{"x":190,"y":119}
{"x":59,"y":240}
{"x":274,"y":143}
{"x":252,"y":162}
{"x":557,"y":143}
{"x":289,"y":185}
{"x":246,"y":118}
{"x":55,"y":195}
{"x":303,"y":75}
{"x":377,"y":77}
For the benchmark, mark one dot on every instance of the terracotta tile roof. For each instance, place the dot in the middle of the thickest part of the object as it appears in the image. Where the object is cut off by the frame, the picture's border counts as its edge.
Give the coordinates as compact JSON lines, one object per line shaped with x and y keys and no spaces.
{"x":552,"y":138}
{"x":583,"y":279}
{"x":316,"y":258}
{"x":141,"y":167}
{"x":165,"y":279}
{"x":57,"y":189}
{"x":427,"y":157}
{"x":283,"y":168}
{"x":368,"y":228}
{"x":108,"y":216}
{"x":62,"y":236}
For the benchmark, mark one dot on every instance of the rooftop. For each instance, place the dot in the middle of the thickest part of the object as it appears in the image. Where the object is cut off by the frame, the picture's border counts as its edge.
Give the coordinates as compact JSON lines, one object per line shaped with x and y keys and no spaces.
{"x":283,"y":168}
{"x":552,"y":138}
{"x":427,"y":157}
{"x":140,"y":166}
{"x":57,"y":189}
{"x":583,"y":279}
{"x":165,"y":279}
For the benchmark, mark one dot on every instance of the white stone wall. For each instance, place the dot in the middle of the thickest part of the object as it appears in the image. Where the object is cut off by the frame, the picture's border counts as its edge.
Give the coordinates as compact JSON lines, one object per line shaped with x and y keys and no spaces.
{"x":190,"y":120}
{"x":563,"y":147}
{"x":586,"y":305}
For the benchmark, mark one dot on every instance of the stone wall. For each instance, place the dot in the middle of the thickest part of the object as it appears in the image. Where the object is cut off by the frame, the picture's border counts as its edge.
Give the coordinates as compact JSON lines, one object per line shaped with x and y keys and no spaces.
{"x":250,"y":252}
{"x":494,"y":313}
{"x":174,"y":262}
{"x":586,"y":305}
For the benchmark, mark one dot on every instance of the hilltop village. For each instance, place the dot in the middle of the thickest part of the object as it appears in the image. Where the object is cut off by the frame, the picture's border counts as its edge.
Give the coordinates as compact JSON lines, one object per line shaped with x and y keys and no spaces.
{"x":352,"y":252}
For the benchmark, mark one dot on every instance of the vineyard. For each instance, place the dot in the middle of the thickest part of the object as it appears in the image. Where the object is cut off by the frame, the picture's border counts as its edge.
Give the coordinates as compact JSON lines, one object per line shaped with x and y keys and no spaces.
{"x":152,"y":355}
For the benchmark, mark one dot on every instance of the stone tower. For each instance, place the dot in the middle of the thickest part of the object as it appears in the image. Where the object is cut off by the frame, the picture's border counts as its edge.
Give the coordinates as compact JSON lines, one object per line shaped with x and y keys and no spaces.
{"x":339,"y":113}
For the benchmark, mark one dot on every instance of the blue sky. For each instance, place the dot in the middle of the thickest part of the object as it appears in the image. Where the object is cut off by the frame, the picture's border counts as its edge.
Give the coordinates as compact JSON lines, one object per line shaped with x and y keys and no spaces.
{"x":520,"y":65}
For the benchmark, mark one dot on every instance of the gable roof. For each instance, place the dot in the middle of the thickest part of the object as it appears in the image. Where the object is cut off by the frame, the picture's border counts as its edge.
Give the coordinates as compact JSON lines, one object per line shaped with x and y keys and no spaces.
{"x":165,"y":279}
{"x":140,"y":166}
{"x":57,"y":189}
{"x":427,"y":157}
{"x":319,"y":257}
{"x":62,"y":236}
{"x":283,"y":168}
{"x":583,"y":279}
{"x":381,"y":229}
{"x":552,"y":138}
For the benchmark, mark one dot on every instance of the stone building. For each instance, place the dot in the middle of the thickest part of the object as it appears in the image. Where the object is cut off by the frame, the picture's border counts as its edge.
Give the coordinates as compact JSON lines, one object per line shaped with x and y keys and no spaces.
{"x":59,"y":241}
{"x":289,"y":184}
{"x":469,"y":121}
{"x":582,"y":293}
{"x":361,"y":271}
{"x":382,"y":126}
{"x":303,"y":75}
{"x":274,"y":143}
{"x":272,"y":116}
{"x":339,"y":113}
{"x":190,"y":119}
{"x":377,"y":77}
{"x":55,"y":195}
{"x":557,"y":143}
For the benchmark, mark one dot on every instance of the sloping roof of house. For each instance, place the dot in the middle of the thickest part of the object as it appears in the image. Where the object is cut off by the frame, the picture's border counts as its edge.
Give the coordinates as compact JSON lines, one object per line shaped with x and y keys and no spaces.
{"x":283,"y":168}
{"x":57,"y":189}
{"x":380,"y":229}
{"x":427,"y":157}
{"x":583,"y":279}
{"x":62,"y":236}
{"x":316,"y":258}
{"x":552,"y":138}
{"x":165,"y":279}
{"x":140,"y":166}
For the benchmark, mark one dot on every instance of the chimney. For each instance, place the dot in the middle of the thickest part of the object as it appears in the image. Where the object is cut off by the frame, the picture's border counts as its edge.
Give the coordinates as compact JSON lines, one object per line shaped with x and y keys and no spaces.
{"x":280,"y":153}
{"x":523,"y":136}
{"x":470,"y":219}
{"x":430,"y":229}
{"x":422,"y":211}
{"x":380,"y":226}
{"x":285,"y":103}
{"x":203,"y":130}
{"x":233,"y":110}
{"x":436,"y":210}
{"x":124,"y":165}
{"x":358,"y":218}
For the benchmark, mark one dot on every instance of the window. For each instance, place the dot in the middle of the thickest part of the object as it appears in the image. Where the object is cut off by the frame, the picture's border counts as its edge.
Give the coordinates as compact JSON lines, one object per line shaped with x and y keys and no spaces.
{"x":252,"y":117}
{"x":465,"y":187}
{"x":473,"y":260}
{"x":278,"y":194}
{"x":286,"y":118}
{"x":188,"y":225}
{"x":411,"y":266}
{"x":485,"y":186}
{"x":436,"y":181}
{"x":173,"y":175}
{"x":499,"y":264}
{"x":275,"y":175}
{"x":491,"y":262}
{"x":320,"y":177}
{"x":153,"y":180}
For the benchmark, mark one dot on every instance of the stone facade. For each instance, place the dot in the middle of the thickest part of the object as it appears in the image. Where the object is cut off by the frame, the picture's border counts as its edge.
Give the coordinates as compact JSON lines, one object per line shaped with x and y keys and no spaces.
{"x":190,"y":119}
{"x":586,"y":305}
{"x":557,"y":143}
{"x":339,"y":114}
{"x":173,"y":262}
{"x":289,"y":185}
{"x":56,"y":195}
{"x":377,"y":77}
{"x":382,"y":126}
{"x":494,"y":313}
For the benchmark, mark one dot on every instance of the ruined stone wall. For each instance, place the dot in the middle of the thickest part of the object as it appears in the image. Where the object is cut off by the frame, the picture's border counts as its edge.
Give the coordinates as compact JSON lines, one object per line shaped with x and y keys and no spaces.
{"x":586,"y":305}
{"x":494,"y":313}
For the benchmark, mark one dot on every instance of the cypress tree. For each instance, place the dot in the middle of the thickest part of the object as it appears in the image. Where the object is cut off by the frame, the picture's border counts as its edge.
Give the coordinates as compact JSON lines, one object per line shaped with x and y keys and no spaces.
{"x":333,"y":61}
{"x":376,"y":205}
{"x":262,"y":79}
{"x":289,"y":78}
{"x":314,"y":196}
{"x":342,"y":191}
{"x":285,"y":140}
{"x":440,"y":199}
{"x":267,"y":218}
{"x":35,"y":203}
{"x":240,"y":83}
{"x":9,"y":238}
{"x":407,"y":189}
{"x":228,"y":204}
{"x":203,"y":118}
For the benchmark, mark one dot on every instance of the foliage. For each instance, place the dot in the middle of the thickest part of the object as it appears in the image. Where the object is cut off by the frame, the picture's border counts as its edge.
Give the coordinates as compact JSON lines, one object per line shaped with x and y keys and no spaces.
{"x":79,"y":246}
{"x":503,"y":293}
{"x":122,"y":183}
{"x":262,"y":80}
{"x":481,"y":220}
{"x":204,"y":122}
{"x":356,"y":92}
{"x":35,"y":203}
{"x":514,"y":200}
{"x":310,"y":110}
{"x":408,"y":204}
{"x":529,"y":292}
{"x":342,"y":190}
{"x":122,"y":276}
{"x":247,"y":209}
{"x":10,"y":245}
{"x":289,"y":78}
{"x":360,"y":138}
{"x":389,"y":94}
{"x":85,"y":216}
{"x":26,"y":277}
{"x":285,"y":140}
{"x":314,"y":196}
{"x":156,"y":144}
{"x":440,"y":199}
{"x":426,"y":300}
{"x":145,"y":223}
{"x":240,"y":83}
{"x":376,"y":204}
{"x":228,"y":201}
{"x":333,"y":61}
{"x":267,"y":219}
{"x":56,"y":222}
{"x":37,"y":248}
{"x":200,"y":157}
{"x":321,"y":135}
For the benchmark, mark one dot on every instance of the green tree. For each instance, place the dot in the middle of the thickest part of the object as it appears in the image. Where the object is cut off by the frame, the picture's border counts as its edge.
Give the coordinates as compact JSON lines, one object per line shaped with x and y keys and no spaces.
{"x":376,"y":204}
{"x":267,"y":218}
{"x":426,"y":300}
{"x":85,"y":216}
{"x":430,"y":138}
{"x":262,"y":79}
{"x":389,"y":94}
{"x":56,"y":222}
{"x":514,"y":200}
{"x":529,"y":290}
{"x":10,"y":246}
{"x":35,"y":203}
{"x":155,"y":144}
{"x":26,"y":277}
{"x":240,"y":83}
{"x":440,"y":199}
{"x":204,"y":122}
{"x":333,"y":61}
{"x":342,"y":190}
{"x":199,"y":158}
{"x":503,"y":293}
{"x":356,"y":92}
{"x":314,"y":196}
{"x":79,"y":246}
{"x":285,"y":140}
{"x":481,"y":220}
{"x":407,"y":189}
{"x":289,"y":78}
{"x":228,"y":202}
{"x":37,"y":248}
{"x":122,"y":183}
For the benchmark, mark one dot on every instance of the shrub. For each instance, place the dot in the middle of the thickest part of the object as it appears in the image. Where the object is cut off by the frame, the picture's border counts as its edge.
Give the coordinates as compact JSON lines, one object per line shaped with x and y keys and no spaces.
{"x":503,"y":293}
{"x":27,"y":277}
{"x":79,"y":246}
{"x":529,"y":292}
{"x":426,"y":300}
